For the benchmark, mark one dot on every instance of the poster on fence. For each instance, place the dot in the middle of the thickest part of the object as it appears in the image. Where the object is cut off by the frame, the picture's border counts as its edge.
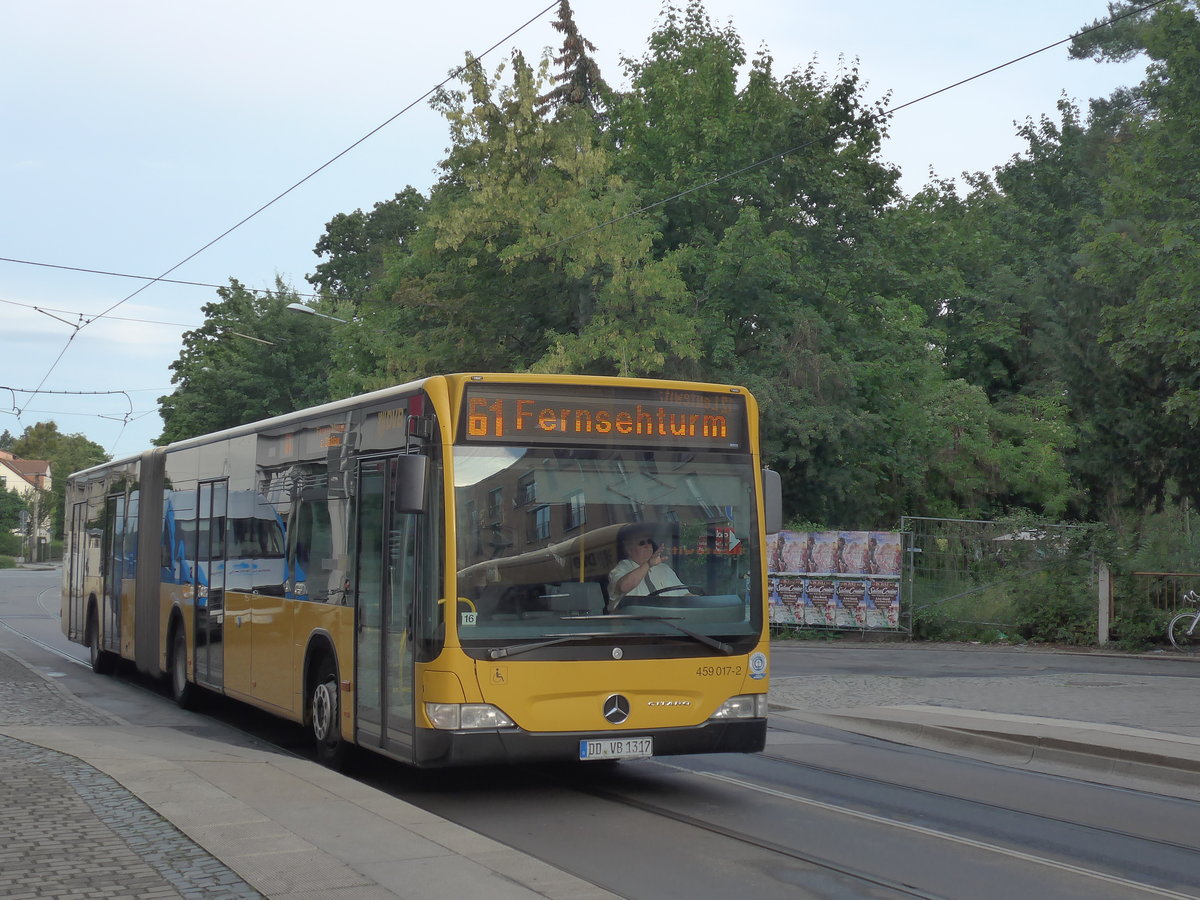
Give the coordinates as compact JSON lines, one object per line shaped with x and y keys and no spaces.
{"x":835,"y":579}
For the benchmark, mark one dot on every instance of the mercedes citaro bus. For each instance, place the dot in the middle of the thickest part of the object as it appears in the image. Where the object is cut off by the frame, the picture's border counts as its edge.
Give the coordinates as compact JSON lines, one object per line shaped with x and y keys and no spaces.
{"x":426,"y":570}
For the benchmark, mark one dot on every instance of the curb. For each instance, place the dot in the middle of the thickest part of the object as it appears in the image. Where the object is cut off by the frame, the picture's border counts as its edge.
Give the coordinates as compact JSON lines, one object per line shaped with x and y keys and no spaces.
{"x":1145,"y":760}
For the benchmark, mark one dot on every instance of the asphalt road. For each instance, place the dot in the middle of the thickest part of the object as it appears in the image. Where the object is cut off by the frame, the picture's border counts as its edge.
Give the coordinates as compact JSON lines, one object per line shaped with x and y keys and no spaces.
{"x":821,"y":813}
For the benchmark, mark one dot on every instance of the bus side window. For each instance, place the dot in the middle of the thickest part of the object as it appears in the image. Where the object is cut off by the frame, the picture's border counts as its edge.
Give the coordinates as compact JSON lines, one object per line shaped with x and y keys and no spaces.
{"x":312,"y":550}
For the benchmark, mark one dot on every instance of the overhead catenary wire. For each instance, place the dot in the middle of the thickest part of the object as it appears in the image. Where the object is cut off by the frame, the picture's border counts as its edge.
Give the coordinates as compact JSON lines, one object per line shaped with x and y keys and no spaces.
{"x":160,"y":279}
{"x":70,"y":312}
{"x":888,"y":113}
{"x":891,"y":112}
{"x":437,"y":87}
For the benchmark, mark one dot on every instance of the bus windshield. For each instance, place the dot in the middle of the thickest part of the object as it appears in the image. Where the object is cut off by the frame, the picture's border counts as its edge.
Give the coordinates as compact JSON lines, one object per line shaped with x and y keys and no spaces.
{"x":569,"y":546}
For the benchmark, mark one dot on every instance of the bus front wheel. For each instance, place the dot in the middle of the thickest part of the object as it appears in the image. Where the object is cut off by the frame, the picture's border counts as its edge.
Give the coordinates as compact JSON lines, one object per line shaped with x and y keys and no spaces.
{"x":324,"y":708}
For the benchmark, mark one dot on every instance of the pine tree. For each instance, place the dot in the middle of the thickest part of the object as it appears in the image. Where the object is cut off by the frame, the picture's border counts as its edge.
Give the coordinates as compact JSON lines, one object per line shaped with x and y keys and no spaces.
{"x":580,"y":83}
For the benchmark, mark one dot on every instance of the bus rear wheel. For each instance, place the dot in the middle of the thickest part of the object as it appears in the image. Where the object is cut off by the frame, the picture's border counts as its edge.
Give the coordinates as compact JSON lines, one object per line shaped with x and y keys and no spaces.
{"x":183,"y":692}
{"x":324,"y":710}
{"x":103,"y":662}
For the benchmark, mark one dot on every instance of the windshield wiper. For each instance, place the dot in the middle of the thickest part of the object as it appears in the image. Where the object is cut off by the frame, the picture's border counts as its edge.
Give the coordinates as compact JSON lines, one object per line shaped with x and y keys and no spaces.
{"x":669,"y":622}
{"x":514,"y":649}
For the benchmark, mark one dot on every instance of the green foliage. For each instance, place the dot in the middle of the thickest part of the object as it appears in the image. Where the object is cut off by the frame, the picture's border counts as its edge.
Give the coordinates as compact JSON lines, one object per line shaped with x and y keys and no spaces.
{"x":7,"y":562}
{"x":355,"y":245}
{"x":1143,"y":250}
{"x":1023,"y":345}
{"x":251,"y":359}
{"x":1058,"y":608}
{"x":11,"y":504}
{"x":10,"y":544}
{"x":579,"y":84}
{"x":1139,"y":627}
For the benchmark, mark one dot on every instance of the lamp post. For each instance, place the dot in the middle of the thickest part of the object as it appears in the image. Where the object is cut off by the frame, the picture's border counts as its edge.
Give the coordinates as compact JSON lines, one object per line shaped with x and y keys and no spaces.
{"x":308,"y":310}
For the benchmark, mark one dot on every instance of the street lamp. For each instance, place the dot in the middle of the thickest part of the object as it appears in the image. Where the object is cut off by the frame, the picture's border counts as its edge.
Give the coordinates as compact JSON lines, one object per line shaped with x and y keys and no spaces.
{"x":308,"y":310}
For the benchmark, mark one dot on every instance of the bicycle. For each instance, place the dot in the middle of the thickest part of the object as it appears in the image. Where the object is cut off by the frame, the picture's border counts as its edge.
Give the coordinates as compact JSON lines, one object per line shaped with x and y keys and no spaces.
{"x":1184,"y":630}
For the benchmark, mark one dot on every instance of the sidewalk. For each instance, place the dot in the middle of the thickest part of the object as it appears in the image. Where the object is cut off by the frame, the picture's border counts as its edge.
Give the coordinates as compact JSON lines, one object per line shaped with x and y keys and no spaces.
{"x":1135,"y":731}
{"x":93,"y":807}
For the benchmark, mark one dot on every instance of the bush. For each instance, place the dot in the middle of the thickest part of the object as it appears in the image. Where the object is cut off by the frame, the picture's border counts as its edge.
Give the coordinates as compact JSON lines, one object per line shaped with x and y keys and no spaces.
{"x":1057,"y":608}
{"x":7,"y":562}
{"x":11,"y":544}
{"x":1141,"y":627}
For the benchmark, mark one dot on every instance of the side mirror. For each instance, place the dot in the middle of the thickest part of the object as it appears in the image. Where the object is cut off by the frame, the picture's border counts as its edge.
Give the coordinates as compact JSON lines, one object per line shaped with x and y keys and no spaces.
{"x":772,"y":501}
{"x":408,"y":495}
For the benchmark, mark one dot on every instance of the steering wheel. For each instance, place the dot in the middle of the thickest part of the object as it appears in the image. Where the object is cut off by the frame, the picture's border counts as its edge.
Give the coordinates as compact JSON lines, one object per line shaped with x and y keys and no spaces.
{"x":694,"y":590}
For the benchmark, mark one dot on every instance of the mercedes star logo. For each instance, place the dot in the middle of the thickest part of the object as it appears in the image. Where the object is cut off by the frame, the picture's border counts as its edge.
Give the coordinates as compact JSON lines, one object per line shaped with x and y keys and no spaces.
{"x":616,"y":709}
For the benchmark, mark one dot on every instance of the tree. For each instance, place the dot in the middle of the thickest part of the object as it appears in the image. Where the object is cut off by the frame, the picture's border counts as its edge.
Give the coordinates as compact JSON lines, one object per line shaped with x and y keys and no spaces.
{"x":355,"y":245}
{"x":579,"y":84}
{"x":712,"y":226}
{"x":510,"y":271}
{"x":11,"y":505}
{"x":1144,"y":250}
{"x":251,"y":359}
{"x":66,"y":453}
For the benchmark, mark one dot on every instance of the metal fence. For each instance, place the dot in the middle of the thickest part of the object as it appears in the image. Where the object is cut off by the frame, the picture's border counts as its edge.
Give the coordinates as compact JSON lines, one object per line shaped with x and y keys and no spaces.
{"x":973,"y":572}
{"x":1163,"y":591}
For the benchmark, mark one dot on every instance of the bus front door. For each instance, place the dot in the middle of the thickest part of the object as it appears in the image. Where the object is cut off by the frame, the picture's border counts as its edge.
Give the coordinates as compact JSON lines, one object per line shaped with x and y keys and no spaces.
{"x":386,"y":569}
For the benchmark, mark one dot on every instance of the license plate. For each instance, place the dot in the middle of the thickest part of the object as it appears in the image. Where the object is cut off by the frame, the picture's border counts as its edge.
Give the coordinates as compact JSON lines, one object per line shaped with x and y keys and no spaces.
{"x":617,"y":748}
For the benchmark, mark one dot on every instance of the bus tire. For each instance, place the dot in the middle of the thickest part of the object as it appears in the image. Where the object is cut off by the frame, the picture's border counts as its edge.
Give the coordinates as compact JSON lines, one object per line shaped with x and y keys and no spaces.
{"x":324,"y":711}
{"x":183,"y":692}
{"x":103,"y":662}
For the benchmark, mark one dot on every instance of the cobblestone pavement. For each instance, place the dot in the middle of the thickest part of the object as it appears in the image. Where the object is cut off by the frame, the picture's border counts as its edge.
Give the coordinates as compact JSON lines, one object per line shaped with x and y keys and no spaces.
{"x":68,"y":830}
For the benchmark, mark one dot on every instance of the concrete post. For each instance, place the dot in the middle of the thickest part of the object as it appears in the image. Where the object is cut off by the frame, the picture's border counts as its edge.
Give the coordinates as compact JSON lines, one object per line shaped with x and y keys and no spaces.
{"x":1104,"y":590}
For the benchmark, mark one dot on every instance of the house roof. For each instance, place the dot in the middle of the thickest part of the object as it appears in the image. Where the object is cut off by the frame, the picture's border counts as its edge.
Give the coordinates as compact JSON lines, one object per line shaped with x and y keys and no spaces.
{"x":35,"y":472}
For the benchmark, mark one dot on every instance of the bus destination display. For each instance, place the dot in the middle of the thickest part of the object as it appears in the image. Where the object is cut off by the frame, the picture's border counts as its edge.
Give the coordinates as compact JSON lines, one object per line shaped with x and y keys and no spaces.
{"x":546,"y":414}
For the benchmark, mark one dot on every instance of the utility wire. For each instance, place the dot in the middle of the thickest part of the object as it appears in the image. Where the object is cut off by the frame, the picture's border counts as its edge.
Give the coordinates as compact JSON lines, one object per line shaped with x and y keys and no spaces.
{"x":887,"y":114}
{"x":151,"y":278}
{"x":437,"y":87}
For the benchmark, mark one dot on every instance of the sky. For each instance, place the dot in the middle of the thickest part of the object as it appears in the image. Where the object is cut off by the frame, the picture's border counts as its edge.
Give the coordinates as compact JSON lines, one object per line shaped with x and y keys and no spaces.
{"x":135,"y":132}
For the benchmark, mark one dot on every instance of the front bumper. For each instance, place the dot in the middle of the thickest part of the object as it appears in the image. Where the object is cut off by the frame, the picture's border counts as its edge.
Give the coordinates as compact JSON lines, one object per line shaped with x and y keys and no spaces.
{"x":436,"y":749}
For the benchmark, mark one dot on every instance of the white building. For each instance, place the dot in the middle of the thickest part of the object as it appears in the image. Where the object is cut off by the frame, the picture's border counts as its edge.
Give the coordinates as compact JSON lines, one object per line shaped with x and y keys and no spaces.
{"x":31,"y":479}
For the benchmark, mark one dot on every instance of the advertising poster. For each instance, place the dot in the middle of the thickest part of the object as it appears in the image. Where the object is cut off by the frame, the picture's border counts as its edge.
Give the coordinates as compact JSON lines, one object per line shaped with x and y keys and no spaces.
{"x":835,"y":579}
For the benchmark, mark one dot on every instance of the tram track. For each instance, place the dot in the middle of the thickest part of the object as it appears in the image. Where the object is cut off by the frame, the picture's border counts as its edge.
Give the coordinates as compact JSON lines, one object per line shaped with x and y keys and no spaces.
{"x":398,"y":781}
{"x":994,"y":807}
{"x":961,"y":840}
{"x":621,"y":788}
{"x":860,"y":876}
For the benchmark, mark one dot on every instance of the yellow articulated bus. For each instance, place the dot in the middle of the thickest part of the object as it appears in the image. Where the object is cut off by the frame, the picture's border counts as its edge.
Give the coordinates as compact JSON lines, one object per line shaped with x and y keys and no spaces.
{"x":467,"y":569}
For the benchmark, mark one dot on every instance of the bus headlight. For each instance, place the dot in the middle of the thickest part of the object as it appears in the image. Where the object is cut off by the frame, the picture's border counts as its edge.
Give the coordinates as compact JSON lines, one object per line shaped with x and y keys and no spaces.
{"x":466,"y":716}
{"x":744,"y":706}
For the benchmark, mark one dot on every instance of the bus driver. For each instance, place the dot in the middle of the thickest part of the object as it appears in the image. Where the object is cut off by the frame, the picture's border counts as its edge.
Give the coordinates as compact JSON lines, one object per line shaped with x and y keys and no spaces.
{"x":642,"y":569}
